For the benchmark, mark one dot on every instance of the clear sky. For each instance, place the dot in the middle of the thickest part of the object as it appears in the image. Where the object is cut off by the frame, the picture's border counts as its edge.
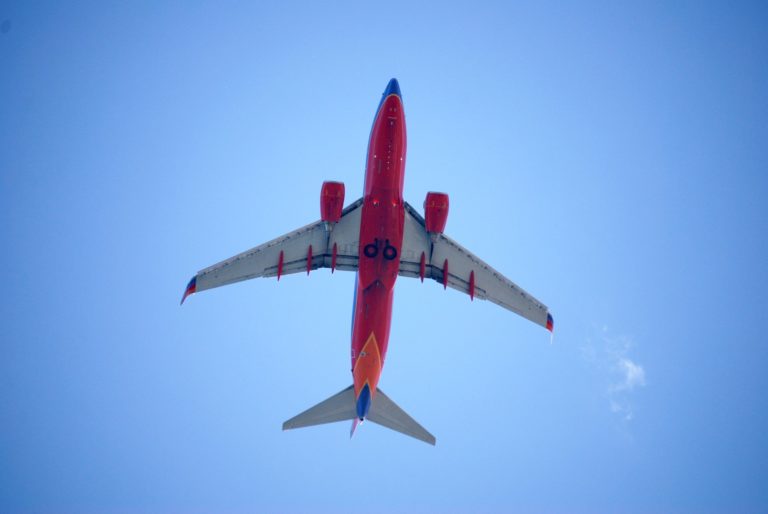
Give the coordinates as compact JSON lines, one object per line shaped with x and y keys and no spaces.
{"x":609,"y":157}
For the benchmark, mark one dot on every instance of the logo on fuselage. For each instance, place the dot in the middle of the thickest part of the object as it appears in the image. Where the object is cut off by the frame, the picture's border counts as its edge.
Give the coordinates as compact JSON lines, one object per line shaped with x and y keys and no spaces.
{"x":371,"y":250}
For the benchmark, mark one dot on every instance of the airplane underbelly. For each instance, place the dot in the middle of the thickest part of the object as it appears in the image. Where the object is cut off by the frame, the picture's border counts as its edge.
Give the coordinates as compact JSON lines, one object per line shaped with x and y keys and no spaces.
{"x":371,"y":335}
{"x":381,"y":239}
{"x":380,"y":244}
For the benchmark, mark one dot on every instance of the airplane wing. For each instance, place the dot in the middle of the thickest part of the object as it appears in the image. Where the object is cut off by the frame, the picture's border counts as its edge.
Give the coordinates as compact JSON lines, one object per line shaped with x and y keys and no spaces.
{"x":440,"y":258}
{"x":305,"y":249}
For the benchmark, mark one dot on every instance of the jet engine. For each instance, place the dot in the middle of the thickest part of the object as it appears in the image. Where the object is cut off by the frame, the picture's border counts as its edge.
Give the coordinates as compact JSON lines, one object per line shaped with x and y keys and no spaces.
{"x":436,"y":212}
{"x":331,"y":201}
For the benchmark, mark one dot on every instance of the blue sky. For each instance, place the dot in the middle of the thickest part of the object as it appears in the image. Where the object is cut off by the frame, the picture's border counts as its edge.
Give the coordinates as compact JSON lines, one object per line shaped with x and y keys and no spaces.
{"x":608,"y":157}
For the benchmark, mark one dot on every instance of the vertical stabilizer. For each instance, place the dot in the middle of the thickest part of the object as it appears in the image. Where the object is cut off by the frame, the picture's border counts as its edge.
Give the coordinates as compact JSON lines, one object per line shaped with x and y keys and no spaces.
{"x":355,"y":422}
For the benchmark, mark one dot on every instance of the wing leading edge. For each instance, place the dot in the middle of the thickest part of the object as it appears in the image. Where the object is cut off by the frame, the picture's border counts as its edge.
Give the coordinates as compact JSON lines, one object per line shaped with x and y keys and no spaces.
{"x":442,"y":259}
{"x":317,"y":245}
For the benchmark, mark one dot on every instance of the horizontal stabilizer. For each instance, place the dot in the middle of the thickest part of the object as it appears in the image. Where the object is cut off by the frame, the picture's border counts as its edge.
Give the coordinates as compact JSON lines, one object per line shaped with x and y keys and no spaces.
{"x":386,"y":413}
{"x":339,"y":407}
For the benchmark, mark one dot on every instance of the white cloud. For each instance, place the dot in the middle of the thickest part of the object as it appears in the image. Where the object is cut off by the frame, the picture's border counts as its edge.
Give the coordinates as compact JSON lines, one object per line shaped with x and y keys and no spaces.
{"x":622,"y":409}
{"x":609,"y":354}
{"x":634,"y":375}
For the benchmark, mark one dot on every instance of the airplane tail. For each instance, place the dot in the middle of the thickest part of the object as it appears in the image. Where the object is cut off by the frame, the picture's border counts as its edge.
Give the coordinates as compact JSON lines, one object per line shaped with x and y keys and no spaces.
{"x":341,"y":407}
{"x":355,"y":422}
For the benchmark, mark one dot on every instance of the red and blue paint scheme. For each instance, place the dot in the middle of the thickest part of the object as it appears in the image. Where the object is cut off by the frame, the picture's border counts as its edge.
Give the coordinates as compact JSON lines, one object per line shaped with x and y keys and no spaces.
{"x":381,"y":239}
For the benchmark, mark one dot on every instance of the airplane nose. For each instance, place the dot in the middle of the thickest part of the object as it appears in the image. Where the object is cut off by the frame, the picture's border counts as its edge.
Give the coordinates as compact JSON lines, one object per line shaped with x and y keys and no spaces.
{"x":393,"y":88}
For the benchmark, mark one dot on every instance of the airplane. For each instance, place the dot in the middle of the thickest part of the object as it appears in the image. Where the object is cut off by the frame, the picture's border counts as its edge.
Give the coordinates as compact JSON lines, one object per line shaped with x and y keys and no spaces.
{"x":380,"y":237}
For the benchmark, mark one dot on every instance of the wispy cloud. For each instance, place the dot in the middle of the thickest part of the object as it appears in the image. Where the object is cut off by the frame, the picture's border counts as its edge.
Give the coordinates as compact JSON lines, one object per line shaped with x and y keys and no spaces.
{"x":609,"y":353}
{"x":633,"y":375}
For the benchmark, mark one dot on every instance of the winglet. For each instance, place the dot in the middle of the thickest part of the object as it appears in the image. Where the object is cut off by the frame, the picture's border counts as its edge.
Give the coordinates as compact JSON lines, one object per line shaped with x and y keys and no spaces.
{"x":550,"y":323}
{"x":191,"y":288}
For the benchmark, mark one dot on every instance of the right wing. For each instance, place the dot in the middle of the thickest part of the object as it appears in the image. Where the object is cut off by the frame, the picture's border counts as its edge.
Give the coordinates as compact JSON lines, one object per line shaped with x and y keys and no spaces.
{"x":440,"y":258}
{"x":305,"y":249}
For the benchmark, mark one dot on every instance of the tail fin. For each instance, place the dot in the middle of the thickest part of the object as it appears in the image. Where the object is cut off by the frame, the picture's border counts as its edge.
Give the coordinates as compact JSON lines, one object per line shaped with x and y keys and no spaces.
{"x":355,"y":422}
{"x":341,"y":407}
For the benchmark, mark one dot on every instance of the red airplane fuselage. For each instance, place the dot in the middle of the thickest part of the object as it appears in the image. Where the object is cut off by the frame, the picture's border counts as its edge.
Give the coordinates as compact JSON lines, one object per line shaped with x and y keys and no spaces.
{"x":381,"y":239}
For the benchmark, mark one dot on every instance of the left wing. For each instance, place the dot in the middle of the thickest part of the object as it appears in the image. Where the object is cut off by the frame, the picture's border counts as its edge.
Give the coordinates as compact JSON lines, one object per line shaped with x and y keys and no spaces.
{"x":318,"y":245}
{"x":440,"y":258}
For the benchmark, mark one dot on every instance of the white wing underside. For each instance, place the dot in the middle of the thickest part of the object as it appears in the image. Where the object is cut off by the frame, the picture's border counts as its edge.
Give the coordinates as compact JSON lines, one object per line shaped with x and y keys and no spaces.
{"x":489,"y":284}
{"x":311,"y":247}
{"x":264,"y":260}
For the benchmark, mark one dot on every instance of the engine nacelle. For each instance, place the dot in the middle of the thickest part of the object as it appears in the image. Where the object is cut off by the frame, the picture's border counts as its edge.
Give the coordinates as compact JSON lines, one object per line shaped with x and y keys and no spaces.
{"x":436,"y":212}
{"x":331,"y":201}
